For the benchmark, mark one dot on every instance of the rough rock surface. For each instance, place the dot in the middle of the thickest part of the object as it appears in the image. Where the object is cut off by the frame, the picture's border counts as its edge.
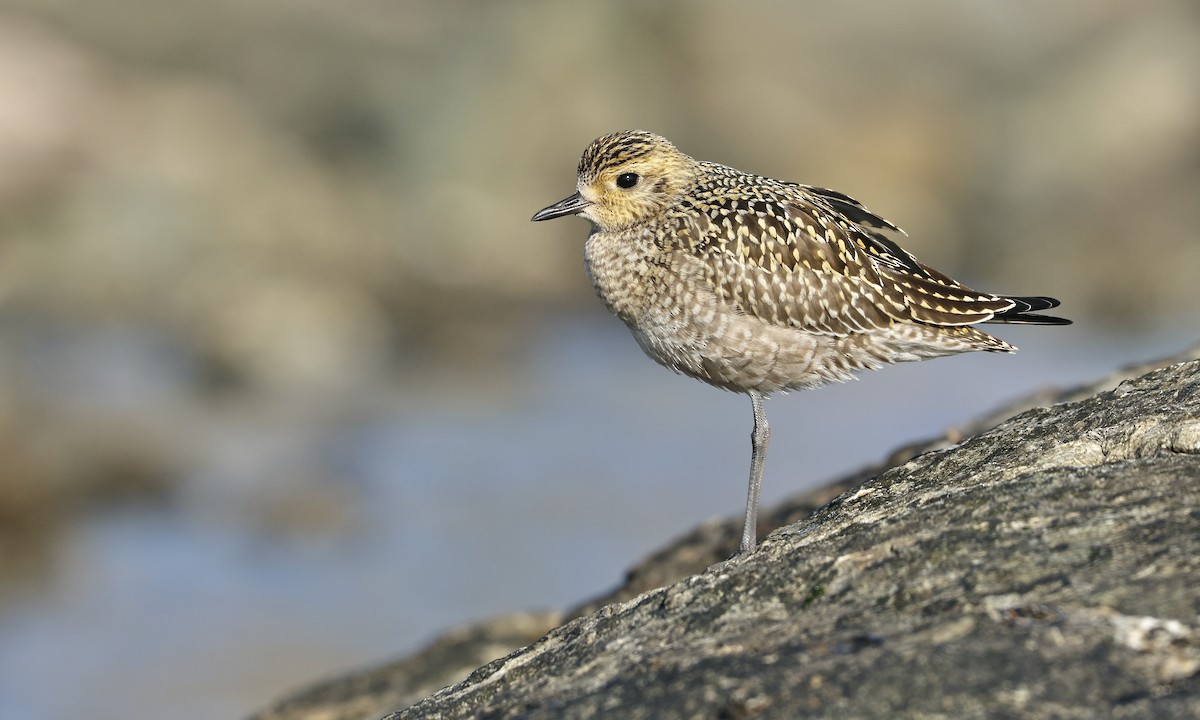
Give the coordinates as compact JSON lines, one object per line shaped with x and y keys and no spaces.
{"x":370,"y":694}
{"x":1046,"y":567}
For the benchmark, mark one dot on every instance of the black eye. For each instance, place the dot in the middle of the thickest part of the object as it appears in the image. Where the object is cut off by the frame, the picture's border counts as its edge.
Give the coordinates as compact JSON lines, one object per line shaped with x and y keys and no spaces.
{"x":627,"y":180}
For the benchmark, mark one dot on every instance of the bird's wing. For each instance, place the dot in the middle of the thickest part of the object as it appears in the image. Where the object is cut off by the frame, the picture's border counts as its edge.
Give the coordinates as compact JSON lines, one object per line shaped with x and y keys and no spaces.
{"x":818,"y":260}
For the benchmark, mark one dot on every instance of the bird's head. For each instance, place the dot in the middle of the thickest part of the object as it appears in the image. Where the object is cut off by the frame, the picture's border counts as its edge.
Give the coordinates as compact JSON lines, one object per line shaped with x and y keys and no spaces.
{"x":626,"y":178}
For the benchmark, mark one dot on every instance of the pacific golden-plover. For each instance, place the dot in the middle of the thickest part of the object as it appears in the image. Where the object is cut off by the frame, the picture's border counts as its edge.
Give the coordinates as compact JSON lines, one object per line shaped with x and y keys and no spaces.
{"x":758,"y":286}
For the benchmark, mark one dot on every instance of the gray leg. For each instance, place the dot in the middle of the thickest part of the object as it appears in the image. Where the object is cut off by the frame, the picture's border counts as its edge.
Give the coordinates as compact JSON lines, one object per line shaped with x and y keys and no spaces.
{"x":758,"y":455}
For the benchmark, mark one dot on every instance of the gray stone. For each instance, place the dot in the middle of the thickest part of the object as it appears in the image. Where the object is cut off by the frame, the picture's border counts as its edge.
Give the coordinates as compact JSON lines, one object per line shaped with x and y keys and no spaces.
{"x":369,"y":694}
{"x":1046,"y":567}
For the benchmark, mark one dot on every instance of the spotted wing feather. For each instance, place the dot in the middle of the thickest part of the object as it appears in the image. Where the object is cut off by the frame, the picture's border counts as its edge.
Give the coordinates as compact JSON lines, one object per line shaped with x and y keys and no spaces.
{"x":817,"y":260}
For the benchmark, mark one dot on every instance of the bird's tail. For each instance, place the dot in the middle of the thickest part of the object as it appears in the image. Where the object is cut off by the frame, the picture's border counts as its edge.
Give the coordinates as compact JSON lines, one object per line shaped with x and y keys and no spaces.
{"x":1024,"y":309}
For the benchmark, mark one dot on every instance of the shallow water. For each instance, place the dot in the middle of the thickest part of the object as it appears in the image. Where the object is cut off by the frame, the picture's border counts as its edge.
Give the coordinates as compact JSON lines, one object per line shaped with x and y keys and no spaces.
{"x":447,"y":508}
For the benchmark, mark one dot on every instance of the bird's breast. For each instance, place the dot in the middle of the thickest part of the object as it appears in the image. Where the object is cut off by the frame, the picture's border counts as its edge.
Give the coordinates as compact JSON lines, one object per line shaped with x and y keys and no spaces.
{"x":664,"y":298}
{"x":627,"y":272}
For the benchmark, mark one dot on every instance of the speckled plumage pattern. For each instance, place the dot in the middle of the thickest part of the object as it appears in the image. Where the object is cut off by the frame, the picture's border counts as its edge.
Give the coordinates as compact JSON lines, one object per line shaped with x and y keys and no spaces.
{"x":756,"y":285}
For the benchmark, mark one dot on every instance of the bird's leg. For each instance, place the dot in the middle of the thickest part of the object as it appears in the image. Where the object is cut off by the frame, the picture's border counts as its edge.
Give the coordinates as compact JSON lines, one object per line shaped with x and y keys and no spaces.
{"x":758,"y":455}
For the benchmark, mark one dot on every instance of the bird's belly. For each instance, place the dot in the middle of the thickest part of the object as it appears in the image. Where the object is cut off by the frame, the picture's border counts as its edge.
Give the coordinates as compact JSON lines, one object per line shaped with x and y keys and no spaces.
{"x":729,"y":350}
{"x":681,"y":322}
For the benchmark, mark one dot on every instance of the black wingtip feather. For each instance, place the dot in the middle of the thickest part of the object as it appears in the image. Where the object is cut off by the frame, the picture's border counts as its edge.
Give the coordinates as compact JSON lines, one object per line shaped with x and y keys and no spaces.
{"x":1030,"y":319}
{"x":1023,"y":309}
{"x":1032,"y":303}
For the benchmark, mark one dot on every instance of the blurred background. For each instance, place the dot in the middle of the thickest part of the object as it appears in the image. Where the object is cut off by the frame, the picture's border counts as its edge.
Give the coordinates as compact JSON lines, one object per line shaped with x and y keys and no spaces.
{"x":289,"y":383}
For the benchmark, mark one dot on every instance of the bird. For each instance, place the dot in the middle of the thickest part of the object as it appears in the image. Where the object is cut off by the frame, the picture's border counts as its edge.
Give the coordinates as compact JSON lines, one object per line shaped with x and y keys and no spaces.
{"x":760,"y":286}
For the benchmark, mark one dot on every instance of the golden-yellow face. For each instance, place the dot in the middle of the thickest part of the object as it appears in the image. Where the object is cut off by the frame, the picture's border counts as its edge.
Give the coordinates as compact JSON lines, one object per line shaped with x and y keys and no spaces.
{"x":625,"y":179}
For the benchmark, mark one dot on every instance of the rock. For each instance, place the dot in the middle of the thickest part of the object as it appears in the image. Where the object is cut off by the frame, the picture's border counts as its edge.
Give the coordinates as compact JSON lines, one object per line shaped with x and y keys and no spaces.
{"x":369,"y":694}
{"x":715,"y":541}
{"x":1049,"y":566}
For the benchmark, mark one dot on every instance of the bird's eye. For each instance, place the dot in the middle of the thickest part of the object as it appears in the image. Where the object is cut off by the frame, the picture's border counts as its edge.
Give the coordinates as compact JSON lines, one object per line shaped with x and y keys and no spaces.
{"x":627,"y":180}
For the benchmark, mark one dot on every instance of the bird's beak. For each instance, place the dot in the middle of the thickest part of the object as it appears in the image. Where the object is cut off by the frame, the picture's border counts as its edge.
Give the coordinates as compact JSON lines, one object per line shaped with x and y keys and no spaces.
{"x":567,"y":206}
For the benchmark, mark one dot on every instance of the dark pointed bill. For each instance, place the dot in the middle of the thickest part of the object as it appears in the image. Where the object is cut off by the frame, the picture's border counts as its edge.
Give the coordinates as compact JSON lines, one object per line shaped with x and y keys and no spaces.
{"x":567,"y":206}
